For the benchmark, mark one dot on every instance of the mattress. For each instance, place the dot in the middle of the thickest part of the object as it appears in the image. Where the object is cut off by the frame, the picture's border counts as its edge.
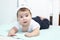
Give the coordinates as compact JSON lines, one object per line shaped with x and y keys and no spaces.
{"x":53,"y":33}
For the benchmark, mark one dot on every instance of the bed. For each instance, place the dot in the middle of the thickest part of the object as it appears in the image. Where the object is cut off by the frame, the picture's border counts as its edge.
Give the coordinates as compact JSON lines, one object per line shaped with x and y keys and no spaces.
{"x":53,"y":33}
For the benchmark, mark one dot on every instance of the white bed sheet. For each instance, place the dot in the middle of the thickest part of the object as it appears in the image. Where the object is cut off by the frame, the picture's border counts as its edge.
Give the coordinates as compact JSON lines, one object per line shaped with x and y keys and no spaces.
{"x":53,"y":33}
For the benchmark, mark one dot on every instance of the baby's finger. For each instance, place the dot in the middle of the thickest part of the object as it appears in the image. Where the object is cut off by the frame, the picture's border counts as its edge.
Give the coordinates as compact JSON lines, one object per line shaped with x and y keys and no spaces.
{"x":11,"y":35}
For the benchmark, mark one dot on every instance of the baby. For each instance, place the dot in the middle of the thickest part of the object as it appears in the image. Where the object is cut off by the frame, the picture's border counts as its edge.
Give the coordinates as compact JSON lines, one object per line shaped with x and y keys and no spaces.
{"x":25,"y":23}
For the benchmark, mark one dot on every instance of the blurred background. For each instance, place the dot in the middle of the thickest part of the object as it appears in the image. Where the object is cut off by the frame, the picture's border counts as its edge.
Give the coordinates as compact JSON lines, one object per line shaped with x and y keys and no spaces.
{"x":46,"y":8}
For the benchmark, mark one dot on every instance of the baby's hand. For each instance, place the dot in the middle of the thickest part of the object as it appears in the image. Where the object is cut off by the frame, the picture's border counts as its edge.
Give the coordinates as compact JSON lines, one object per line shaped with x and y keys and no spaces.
{"x":11,"y":34}
{"x":28,"y":35}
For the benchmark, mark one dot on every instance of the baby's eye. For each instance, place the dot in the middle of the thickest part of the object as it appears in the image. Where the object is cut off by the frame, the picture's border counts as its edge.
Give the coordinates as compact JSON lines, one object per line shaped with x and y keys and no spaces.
{"x":26,"y":15}
{"x":21,"y":16}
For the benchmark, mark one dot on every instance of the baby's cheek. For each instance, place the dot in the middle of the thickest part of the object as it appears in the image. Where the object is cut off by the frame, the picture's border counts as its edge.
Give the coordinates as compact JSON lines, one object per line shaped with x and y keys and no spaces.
{"x":20,"y":22}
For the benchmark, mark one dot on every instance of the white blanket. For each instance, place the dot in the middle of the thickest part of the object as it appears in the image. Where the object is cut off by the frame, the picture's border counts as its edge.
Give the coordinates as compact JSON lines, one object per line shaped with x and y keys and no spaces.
{"x":53,"y":33}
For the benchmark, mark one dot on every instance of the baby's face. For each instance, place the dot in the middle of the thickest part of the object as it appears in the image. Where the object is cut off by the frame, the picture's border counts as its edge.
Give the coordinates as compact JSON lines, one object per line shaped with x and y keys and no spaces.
{"x":24,"y":18}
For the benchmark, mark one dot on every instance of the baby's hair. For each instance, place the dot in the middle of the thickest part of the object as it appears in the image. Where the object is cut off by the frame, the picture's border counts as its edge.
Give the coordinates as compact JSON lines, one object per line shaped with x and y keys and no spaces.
{"x":23,"y":9}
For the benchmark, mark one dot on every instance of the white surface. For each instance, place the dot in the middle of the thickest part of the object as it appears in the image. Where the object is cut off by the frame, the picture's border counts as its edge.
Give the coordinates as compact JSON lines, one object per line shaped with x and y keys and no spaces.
{"x":7,"y":11}
{"x":53,"y":33}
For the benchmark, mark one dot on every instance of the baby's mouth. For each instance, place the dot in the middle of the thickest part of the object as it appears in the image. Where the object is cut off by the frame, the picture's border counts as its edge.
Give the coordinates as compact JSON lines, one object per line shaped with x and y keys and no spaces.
{"x":25,"y":22}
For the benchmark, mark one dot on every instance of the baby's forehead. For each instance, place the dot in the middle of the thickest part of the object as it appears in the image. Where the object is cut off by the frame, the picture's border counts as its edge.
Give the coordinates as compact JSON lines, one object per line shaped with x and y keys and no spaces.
{"x":24,"y":12}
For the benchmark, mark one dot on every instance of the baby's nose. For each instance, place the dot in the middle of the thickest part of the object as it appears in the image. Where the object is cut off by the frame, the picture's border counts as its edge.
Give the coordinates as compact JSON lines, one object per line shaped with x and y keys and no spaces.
{"x":24,"y":17}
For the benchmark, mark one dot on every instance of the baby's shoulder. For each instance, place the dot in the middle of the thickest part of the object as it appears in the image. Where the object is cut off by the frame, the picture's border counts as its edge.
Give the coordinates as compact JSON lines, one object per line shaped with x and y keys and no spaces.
{"x":33,"y":21}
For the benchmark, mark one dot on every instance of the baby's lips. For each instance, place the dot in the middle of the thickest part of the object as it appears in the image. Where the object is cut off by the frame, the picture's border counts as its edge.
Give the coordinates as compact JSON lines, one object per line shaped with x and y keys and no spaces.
{"x":25,"y":22}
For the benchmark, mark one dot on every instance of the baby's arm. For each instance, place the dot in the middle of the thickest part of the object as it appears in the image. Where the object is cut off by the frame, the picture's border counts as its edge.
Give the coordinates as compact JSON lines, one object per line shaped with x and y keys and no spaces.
{"x":35,"y":32}
{"x":12,"y":31}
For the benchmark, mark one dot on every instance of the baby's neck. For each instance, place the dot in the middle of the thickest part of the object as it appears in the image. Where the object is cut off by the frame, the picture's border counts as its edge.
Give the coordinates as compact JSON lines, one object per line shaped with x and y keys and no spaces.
{"x":25,"y":28}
